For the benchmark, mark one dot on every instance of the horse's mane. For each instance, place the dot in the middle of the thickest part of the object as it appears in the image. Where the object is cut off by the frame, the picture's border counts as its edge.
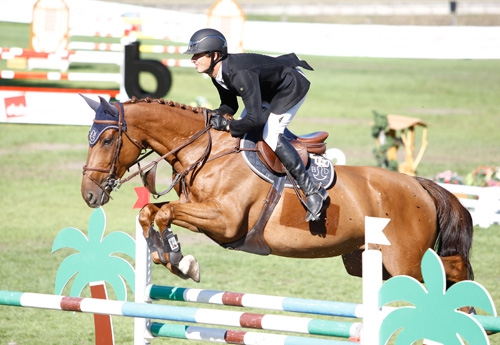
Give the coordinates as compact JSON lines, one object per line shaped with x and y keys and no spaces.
{"x":196,"y":110}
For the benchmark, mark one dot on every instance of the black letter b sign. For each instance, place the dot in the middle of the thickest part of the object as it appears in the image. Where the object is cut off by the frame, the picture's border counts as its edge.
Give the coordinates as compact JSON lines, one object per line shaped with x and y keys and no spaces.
{"x":134,"y":65}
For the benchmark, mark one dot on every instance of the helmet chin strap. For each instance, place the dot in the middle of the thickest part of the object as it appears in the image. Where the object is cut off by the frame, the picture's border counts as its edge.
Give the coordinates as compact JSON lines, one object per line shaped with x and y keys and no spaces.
{"x":214,"y":62}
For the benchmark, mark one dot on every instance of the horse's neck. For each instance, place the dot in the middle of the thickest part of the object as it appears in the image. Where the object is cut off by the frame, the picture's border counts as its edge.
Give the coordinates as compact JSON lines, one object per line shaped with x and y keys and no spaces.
{"x":164,"y":127}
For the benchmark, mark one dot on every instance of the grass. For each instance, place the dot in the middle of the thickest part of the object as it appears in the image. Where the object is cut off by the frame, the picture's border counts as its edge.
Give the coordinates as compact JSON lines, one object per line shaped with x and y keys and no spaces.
{"x":40,"y":175}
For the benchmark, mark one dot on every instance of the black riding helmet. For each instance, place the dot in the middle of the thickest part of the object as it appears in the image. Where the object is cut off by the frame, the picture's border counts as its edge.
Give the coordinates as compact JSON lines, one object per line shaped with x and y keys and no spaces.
{"x":208,"y":41}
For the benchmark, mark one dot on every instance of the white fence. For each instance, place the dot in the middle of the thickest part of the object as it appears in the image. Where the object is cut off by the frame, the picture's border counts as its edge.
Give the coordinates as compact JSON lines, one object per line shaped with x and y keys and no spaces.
{"x":483,"y":203}
{"x":356,"y":8}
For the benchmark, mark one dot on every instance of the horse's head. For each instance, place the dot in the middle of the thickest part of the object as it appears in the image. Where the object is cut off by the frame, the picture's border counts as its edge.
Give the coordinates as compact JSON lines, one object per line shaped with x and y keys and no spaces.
{"x":109,"y":155}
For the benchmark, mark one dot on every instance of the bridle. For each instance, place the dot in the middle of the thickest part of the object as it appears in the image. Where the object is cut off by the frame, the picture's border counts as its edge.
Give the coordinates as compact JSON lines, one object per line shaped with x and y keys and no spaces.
{"x":113,"y":181}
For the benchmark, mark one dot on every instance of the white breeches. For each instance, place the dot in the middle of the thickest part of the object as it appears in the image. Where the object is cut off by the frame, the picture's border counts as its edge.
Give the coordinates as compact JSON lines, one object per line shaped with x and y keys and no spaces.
{"x":276,"y":123}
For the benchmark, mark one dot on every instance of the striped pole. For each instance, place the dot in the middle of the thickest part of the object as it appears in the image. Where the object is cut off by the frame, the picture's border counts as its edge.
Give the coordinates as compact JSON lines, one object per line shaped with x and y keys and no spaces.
{"x":117,"y":47}
{"x":297,"y":305}
{"x":111,"y":93}
{"x":114,"y":33}
{"x":13,"y":52}
{"x":73,"y":76}
{"x":195,"y":315}
{"x":10,"y":52}
{"x":183,"y":314}
{"x":83,"y":56}
{"x":177,"y":62}
{"x":233,"y":336}
{"x":102,"y":54}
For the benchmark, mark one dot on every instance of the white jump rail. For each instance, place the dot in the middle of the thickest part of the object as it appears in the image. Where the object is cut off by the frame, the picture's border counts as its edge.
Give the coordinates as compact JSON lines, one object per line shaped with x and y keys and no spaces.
{"x":483,"y":203}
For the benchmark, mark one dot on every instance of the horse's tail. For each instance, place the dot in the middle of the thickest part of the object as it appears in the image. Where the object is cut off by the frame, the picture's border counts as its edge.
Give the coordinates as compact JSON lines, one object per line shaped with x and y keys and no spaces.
{"x":455,"y":225}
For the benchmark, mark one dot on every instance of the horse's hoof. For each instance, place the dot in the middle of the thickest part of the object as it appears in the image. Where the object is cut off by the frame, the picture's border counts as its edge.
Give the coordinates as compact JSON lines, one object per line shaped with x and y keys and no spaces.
{"x":190,"y":267}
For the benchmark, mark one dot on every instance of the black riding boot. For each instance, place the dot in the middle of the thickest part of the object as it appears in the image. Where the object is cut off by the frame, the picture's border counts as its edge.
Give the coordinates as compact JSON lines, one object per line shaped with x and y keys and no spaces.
{"x":316,"y":195}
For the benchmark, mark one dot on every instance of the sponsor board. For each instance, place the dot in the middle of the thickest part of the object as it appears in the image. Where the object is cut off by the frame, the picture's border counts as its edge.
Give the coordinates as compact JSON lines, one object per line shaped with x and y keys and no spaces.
{"x":59,"y":108}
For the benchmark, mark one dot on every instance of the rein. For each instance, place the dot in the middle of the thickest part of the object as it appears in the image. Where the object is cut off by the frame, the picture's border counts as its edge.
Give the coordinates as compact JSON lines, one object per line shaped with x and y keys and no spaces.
{"x":148,"y":172}
{"x":148,"y":178}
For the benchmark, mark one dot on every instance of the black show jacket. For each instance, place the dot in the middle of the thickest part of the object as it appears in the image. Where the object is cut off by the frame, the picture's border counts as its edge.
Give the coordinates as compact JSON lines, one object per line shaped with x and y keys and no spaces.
{"x":257,"y":78}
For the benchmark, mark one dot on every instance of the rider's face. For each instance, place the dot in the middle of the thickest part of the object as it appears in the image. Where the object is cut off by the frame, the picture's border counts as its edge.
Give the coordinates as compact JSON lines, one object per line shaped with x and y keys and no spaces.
{"x":201,"y":62}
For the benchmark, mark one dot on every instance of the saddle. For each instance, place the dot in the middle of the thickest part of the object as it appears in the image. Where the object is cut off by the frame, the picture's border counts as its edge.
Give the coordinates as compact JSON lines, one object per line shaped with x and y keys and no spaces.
{"x":304,"y":144}
{"x":264,"y":162}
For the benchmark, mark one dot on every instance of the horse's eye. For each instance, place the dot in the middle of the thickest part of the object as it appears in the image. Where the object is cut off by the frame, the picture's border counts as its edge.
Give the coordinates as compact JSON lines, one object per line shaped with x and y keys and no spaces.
{"x":107,"y":141}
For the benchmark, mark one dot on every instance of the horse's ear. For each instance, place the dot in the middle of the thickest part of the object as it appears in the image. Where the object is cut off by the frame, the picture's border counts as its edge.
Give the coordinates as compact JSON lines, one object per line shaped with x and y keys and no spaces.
{"x":93,"y":104}
{"x":108,"y":107}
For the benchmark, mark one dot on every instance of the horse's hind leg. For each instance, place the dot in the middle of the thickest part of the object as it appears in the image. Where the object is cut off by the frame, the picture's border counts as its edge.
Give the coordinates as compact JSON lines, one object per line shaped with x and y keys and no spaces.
{"x":455,"y":269}
{"x":353,"y":263}
{"x":164,"y":248}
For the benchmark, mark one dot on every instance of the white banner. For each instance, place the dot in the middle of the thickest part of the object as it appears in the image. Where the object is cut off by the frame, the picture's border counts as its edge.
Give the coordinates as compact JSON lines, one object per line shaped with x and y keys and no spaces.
{"x":59,"y":108}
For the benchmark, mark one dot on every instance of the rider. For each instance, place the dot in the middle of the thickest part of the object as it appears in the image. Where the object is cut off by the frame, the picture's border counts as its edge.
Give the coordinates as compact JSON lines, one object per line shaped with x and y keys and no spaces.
{"x":272,"y":91}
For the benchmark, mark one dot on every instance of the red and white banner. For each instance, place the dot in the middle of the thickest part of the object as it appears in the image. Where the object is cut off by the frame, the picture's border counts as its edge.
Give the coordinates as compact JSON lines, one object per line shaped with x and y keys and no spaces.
{"x":61,"y":108}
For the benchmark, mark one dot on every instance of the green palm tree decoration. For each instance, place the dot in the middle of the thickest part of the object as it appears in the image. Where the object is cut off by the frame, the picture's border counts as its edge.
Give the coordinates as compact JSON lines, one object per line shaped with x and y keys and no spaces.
{"x":95,"y":260}
{"x":434,"y":313}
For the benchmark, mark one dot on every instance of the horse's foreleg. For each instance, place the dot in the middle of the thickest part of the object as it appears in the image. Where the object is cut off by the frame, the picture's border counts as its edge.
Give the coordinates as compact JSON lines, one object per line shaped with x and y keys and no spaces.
{"x":219,"y":222}
{"x":164,"y":247}
{"x":182,"y":266}
{"x":206,"y":216}
{"x":146,"y":219}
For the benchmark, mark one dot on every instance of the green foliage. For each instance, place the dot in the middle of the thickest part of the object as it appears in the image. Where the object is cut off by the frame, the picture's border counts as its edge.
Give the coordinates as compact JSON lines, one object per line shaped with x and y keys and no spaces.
{"x":381,"y":124}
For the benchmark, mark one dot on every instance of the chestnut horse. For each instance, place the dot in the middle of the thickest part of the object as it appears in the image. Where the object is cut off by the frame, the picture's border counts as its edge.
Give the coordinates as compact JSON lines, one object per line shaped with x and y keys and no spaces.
{"x":222,"y":198}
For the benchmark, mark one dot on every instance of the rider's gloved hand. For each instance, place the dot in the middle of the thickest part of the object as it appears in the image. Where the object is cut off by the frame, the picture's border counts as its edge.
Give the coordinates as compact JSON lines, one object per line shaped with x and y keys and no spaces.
{"x":219,"y":122}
